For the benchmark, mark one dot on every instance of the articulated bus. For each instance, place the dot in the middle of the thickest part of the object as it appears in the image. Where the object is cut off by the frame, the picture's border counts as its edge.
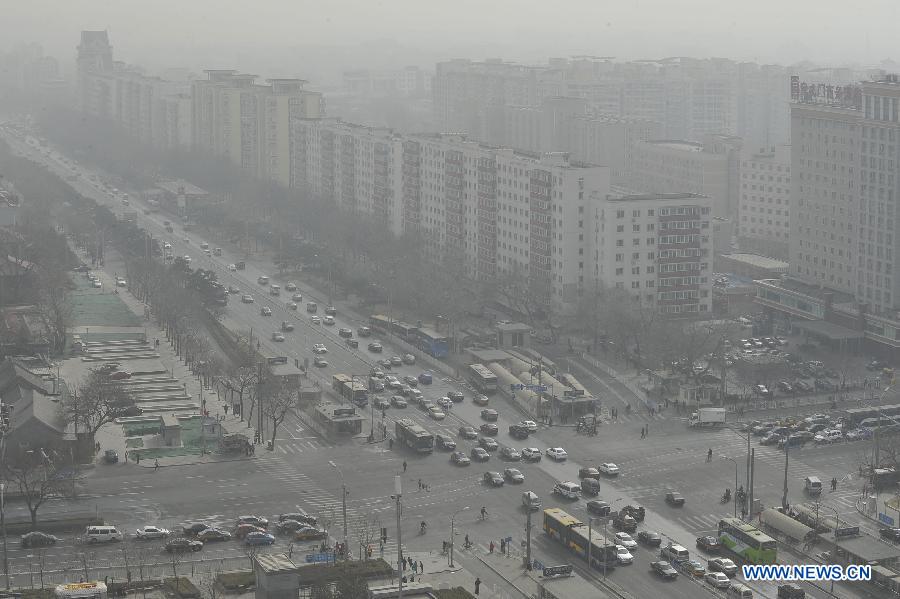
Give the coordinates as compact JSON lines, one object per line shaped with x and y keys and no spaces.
{"x":747,"y":542}
{"x":857,"y":415}
{"x":414,"y":436}
{"x":431,"y":342}
{"x":482,"y":378}
{"x":576,"y":536}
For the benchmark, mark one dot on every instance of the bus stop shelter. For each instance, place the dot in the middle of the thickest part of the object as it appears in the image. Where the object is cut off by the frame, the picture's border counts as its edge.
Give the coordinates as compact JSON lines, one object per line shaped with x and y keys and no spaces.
{"x":774,"y":520}
{"x":862,"y":549}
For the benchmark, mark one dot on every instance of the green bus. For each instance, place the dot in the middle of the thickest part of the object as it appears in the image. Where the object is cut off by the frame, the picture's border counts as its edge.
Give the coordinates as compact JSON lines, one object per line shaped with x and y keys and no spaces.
{"x":747,"y":542}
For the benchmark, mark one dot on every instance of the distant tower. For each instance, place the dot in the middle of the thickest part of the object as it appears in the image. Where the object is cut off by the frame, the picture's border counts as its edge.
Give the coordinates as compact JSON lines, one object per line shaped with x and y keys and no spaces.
{"x":95,"y":55}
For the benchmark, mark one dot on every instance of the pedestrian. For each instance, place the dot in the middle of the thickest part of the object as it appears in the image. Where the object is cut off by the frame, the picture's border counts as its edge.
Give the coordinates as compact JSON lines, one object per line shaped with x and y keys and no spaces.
{"x":420,"y":484}
{"x":421,"y":568}
{"x":390,"y":444}
{"x":491,"y":547}
{"x":709,"y":455}
{"x":483,"y":515}
{"x":137,"y":457}
{"x":477,"y":585}
{"x":156,"y":464}
{"x":503,"y":546}
{"x":381,"y":548}
{"x":404,"y":465}
{"x":226,"y":409}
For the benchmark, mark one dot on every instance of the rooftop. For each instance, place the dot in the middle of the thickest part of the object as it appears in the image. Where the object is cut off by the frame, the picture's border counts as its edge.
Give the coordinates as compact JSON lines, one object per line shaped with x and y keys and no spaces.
{"x":758,"y":261}
{"x":274,"y":563}
{"x":797,"y":286}
{"x":180,"y":186}
{"x":656,"y":196}
{"x":677,"y":144}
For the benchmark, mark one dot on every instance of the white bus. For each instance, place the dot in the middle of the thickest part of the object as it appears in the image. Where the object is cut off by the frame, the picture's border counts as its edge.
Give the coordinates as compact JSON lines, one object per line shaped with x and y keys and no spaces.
{"x":482,"y":378}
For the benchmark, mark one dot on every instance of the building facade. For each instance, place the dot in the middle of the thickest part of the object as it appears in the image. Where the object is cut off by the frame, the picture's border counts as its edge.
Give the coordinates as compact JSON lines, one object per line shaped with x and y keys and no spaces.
{"x":764,"y":214}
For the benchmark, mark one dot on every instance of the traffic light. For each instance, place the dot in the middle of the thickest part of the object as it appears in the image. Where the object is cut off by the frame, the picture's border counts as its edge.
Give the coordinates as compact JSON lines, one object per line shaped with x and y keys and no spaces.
{"x":384,"y":535}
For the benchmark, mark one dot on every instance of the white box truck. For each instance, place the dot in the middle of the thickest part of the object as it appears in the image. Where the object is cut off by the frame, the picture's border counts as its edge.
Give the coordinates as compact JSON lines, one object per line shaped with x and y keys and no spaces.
{"x":708,"y":417}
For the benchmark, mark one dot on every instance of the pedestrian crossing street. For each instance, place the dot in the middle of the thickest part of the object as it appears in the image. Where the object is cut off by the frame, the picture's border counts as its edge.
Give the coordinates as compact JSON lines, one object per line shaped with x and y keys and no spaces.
{"x":328,"y":509}
{"x":298,"y":439}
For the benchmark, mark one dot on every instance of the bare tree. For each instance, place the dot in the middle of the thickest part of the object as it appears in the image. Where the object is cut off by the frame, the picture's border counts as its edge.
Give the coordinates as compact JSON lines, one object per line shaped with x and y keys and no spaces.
{"x":98,"y":401}
{"x":279,"y":400}
{"x":244,"y":381}
{"x":368,"y":530}
{"x":35,"y":473}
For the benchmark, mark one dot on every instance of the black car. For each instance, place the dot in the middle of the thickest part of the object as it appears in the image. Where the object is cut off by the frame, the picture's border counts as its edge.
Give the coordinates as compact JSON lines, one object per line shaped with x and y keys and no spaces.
{"x":488,"y":443}
{"x":381,"y":403}
{"x":479,"y":454}
{"x":649,"y":538}
{"x":517,"y":431}
{"x":346,"y":333}
{"x":510,"y":453}
{"x":444,"y":442}
{"x":299,"y":517}
{"x":494,"y":479}
{"x":459,"y":458}
{"x":38,"y":539}
{"x":375,"y":347}
{"x":456,"y":396}
{"x":790,"y":591}
{"x":183,"y":545}
{"x":635,"y":511}
{"x":674,"y":498}
{"x":468,"y":432}
{"x":214,"y":534}
{"x":709,"y":544}
{"x":589,"y":472}
{"x":664,"y":569}
{"x":196,"y":527}
{"x":598,"y":507}
{"x":489,"y":428}
{"x":411,"y":381}
{"x":490,"y":415}
{"x":891,"y":534}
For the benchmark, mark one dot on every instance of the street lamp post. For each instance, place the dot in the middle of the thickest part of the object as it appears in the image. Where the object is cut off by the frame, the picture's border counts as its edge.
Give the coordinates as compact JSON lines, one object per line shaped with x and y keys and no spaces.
{"x":3,"y":532}
{"x":453,"y":531}
{"x":732,"y":460}
{"x":343,"y":499}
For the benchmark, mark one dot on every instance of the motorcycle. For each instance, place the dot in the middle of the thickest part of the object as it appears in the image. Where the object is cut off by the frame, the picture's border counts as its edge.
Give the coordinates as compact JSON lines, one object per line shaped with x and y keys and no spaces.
{"x":726,"y":498}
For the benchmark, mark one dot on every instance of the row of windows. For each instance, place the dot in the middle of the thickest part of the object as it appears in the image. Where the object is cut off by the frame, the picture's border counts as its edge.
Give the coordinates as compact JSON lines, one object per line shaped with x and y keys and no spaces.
{"x":678,"y":295}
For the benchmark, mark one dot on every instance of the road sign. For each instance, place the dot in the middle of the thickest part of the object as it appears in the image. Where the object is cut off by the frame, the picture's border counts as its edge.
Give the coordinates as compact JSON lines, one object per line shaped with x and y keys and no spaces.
{"x":315,"y":558}
{"x":516,"y":387}
{"x":554,"y":571}
{"x":885,"y":519}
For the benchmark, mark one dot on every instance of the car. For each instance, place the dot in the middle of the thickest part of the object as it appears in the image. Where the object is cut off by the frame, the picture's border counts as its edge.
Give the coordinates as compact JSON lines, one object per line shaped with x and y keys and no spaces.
{"x":436,"y":413}
{"x":459,"y":458}
{"x":121,"y":283}
{"x":635,"y":511}
{"x":38,"y":539}
{"x":517,"y":431}
{"x":531,"y":454}
{"x":309,"y":533}
{"x":514,"y":475}
{"x":409,"y":359}
{"x":259,"y":538}
{"x":771,"y":439}
{"x":411,"y":381}
{"x":480,"y":400}
{"x":858,"y":434}
{"x":320,"y":362}
{"x":891,"y":534}
{"x":96,"y":284}
{"x":297,"y":297}
{"x":489,"y":428}
{"x":488,"y":443}
{"x":717,"y":579}
{"x":152,"y":532}
{"x":694,"y":568}
{"x":352,"y":343}
{"x":468,"y":432}
{"x":479,"y":454}
{"x":490,"y":415}
{"x":623,"y":556}
{"x":300,"y":516}
{"x":398,"y":401}
{"x":650,"y":538}
{"x":624,"y":522}
{"x":664,"y":569}
{"x":455,"y":396}
{"x":110,"y":366}
{"x":375,"y":347}
{"x":624,"y":539}
{"x":609,"y":469}
{"x":425,"y":378}
{"x":385,"y":363}
{"x":182,"y":545}
{"x":277,"y":336}
{"x":721,"y":564}
{"x":494,"y":479}
{"x":319,"y":348}
{"x":120,"y":375}
{"x":510,"y":453}
{"x":195,"y":528}
{"x":396,"y":361}
{"x":330,"y":310}
{"x":254,"y":520}
{"x":345,"y":333}
{"x":214,"y":534}
{"x":265,"y":311}
{"x":328,"y":320}
{"x":598,"y":507}
{"x":530,"y":425}
{"x":247,"y":298}
{"x":588,"y":472}
{"x":111,"y":456}
{"x":381,"y":403}
{"x":674,"y":498}
{"x":287,"y":326}
{"x":785,"y":386}
{"x":709,"y":544}
{"x":443,"y":402}
{"x":444,"y":441}
{"x":557,"y":453}
{"x":790,"y":591}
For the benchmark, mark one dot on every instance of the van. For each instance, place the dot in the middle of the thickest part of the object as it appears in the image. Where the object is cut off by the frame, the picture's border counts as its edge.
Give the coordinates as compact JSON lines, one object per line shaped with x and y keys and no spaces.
{"x":262,"y":280}
{"x":312,"y":307}
{"x":567,"y":489}
{"x":204,"y":246}
{"x":102,"y":534}
{"x":674,"y":553}
{"x":590,"y":486}
{"x":813,"y":485}
{"x":274,"y":290}
{"x":739,"y":591}
{"x":531,"y":501}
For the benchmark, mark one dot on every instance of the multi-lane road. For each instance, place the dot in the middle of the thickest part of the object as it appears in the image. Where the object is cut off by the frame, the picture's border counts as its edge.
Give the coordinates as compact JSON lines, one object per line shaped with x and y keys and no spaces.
{"x":298,"y":473}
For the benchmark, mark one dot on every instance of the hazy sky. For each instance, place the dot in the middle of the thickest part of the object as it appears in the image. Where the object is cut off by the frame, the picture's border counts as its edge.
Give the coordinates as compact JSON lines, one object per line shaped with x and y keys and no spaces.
{"x":176,"y":32}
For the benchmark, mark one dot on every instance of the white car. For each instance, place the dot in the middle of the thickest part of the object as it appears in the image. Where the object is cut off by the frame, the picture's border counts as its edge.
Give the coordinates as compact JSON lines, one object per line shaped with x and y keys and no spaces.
{"x":329,"y":320}
{"x":623,"y":555}
{"x":531,"y":454}
{"x":624,"y":539}
{"x":231,"y":267}
{"x":609,"y":469}
{"x":168,"y":246}
{"x":277,"y":336}
{"x":319,"y":348}
{"x":531,"y":425}
{"x":436,"y":413}
{"x":718,"y":580}
{"x":96,"y":284}
{"x":152,"y":532}
{"x":315,"y":320}
{"x":557,"y":453}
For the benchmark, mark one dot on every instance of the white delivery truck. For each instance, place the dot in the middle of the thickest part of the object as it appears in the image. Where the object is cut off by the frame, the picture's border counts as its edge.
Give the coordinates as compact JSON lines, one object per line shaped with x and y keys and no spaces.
{"x":708,"y":417}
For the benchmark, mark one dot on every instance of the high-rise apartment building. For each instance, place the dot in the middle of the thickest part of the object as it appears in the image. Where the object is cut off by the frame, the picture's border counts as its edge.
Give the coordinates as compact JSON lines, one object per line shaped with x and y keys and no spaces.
{"x":764,"y":214}
{"x":657,"y":247}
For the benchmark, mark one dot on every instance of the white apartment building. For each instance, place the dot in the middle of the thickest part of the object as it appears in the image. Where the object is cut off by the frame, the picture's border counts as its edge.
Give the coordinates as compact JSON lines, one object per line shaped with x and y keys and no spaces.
{"x":500,"y":210}
{"x":658,"y":247}
{"x":407,"y":82}
{"x":764,"y":213}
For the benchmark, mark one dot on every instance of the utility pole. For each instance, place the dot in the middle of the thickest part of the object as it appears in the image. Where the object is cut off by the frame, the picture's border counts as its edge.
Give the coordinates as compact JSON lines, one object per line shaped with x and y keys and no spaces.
{"x":398,"y":492}
{"x":784,"y":499}
{"x":259,"y":400}
{"x":3,"y":508}
{"x":527,"y":540}
{"x":750,"y":484}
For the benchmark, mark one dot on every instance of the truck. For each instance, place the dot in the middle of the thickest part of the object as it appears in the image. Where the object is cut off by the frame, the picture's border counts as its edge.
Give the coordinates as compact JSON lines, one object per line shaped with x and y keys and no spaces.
{"x":708,"y":417}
